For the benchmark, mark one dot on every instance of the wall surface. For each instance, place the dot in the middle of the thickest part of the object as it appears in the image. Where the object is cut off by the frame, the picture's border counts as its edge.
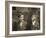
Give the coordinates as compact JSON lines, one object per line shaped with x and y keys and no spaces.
{"x":2,"y":19}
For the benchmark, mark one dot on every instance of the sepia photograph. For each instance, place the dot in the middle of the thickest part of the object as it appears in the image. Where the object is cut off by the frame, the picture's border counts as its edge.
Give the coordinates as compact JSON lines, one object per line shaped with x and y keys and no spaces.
{"x":24,"y":19}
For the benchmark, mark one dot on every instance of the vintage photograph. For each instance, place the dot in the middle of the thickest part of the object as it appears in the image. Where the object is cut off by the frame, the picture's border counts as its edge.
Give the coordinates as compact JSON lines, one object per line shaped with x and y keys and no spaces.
{"x":25,"y":18}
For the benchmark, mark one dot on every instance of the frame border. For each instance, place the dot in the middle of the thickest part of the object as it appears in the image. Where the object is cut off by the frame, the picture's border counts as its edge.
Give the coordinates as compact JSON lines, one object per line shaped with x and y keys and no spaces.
{"x":7,"y":18}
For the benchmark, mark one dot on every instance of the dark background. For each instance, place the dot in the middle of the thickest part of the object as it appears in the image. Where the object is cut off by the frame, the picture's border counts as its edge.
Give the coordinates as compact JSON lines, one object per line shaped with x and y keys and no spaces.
{"x":27,"y":12}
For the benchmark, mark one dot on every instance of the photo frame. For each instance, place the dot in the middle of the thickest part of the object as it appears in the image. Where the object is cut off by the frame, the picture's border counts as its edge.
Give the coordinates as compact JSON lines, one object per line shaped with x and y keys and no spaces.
{"x":24,"y":18}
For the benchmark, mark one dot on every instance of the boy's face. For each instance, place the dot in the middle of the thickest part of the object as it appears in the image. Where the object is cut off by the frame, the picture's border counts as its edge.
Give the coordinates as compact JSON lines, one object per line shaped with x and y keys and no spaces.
{"x":21,"y":17}
{"x":35,"y":20}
